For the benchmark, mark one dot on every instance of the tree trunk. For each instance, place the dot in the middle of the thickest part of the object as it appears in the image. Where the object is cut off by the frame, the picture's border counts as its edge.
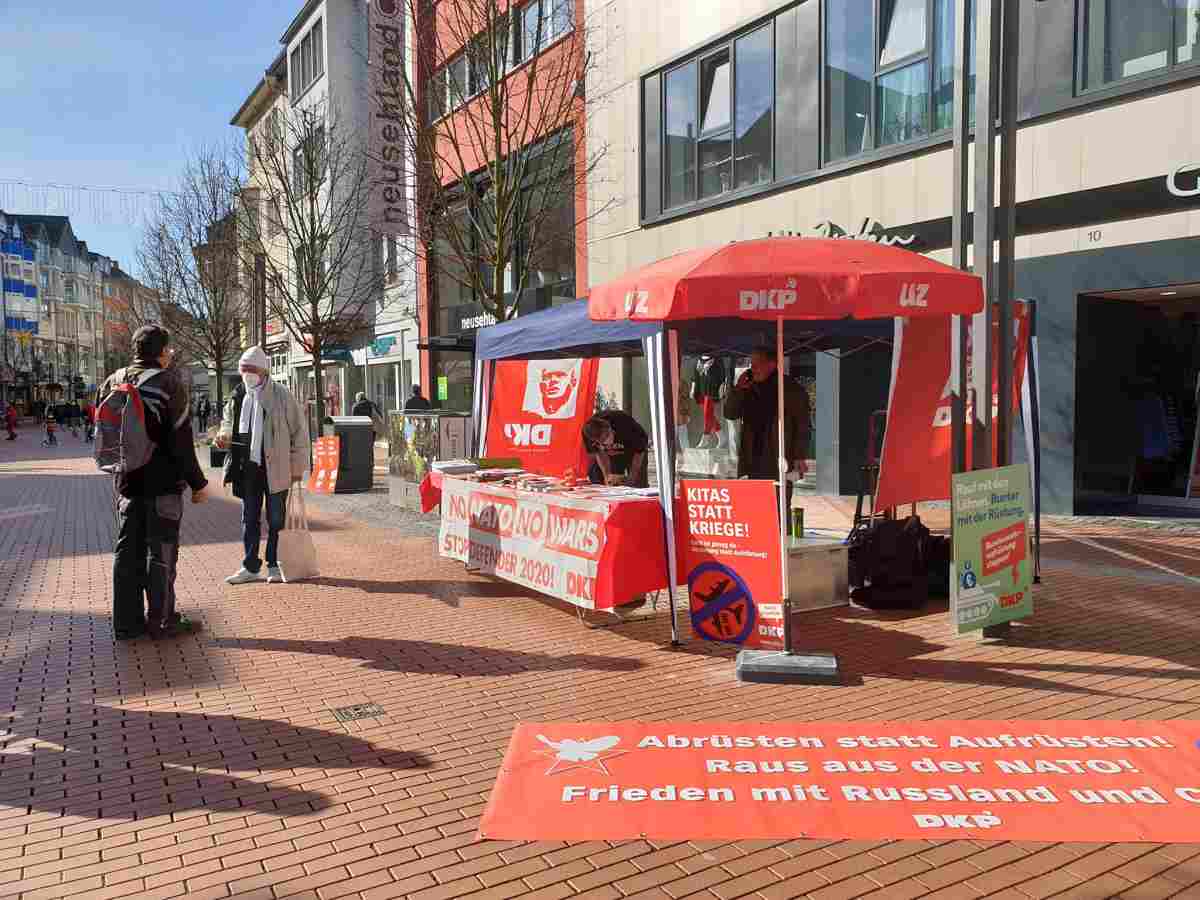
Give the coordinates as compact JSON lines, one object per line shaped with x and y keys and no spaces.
{"x":319,"y":381}
{"x":219,"y":370}
{"x":498,"y":293}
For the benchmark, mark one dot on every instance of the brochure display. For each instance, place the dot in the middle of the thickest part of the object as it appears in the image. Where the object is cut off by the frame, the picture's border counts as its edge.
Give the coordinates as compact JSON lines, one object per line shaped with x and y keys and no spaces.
{"x":992,"y":569}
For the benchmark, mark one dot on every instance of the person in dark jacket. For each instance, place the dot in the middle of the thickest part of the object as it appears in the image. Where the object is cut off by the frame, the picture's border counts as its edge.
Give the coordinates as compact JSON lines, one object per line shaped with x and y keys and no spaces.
{"x":616,"y":446}
{"x":417,"y":403}
{"x":150,"y":499}
{"x":754,"y":401}
{"x":363,"y":406}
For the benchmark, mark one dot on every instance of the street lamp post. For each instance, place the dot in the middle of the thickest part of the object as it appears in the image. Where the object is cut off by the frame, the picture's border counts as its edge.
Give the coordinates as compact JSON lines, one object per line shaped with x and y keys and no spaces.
{"x":997,"y":34}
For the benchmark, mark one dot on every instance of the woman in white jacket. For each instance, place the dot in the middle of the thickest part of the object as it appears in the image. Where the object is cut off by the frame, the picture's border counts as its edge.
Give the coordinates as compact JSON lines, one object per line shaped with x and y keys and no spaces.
{"x":264,"y":429}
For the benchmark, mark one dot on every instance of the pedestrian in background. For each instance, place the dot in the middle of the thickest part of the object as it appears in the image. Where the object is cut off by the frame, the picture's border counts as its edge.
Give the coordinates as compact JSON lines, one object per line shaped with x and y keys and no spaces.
{"x":89,"y":422}
{"x":265,"y":431}
{"x":150,"y":499}
{"x":51,"y":439}
{"x":10,"y":421}
{"x":417,"y":403}
{"x":363,"y":406}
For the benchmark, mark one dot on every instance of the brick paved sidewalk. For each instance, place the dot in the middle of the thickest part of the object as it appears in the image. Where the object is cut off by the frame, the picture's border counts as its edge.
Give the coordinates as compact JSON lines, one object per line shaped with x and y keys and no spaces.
{"x":213,"y":766}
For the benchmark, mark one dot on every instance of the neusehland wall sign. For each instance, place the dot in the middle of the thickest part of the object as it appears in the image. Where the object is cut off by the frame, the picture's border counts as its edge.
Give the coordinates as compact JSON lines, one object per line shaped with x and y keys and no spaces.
{"x":993,"y":780}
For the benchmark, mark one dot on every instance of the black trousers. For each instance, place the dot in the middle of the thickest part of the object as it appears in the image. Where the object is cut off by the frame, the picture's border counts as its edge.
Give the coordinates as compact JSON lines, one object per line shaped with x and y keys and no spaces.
{"x":145,"y":560}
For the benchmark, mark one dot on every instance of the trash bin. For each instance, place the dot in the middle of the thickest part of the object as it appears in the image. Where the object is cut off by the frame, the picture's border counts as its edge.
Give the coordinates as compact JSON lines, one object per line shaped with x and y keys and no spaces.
{"x":356,"y":456}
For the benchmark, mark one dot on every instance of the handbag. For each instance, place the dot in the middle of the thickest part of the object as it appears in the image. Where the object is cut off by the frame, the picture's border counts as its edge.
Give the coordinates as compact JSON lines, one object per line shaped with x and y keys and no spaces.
{"x":297,"y":553}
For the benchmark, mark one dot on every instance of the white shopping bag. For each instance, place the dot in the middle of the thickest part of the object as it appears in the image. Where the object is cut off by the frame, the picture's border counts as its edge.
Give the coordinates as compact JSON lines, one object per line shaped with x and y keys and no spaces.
{"x":297,"y":554}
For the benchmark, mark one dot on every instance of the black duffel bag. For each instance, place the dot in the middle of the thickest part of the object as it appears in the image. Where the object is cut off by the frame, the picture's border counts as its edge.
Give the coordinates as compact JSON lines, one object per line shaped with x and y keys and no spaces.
{"x":937,"y":564}
{"x":887,"y":565}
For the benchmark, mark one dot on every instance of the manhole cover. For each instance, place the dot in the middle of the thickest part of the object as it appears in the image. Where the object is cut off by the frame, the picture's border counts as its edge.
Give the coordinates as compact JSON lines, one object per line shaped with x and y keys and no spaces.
{"x":358,"y":711}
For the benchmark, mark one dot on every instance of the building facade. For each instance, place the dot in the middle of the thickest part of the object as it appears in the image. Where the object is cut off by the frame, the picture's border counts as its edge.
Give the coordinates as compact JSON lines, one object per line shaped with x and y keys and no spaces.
{"x":53,"y":340}
{"x":323,"y":66}
{"x":742,"y":119}
{"x":549,"y":265}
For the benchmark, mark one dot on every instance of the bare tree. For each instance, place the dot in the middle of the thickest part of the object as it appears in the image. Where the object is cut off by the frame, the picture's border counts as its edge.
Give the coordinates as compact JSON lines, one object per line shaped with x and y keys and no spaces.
{"x":492,"y":109}
{"x":189,"y":258}
{"x":304,"y":221}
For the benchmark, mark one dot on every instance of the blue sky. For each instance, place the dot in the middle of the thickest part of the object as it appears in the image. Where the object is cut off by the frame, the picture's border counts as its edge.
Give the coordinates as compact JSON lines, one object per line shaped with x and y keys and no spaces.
{"x":117,"y":93}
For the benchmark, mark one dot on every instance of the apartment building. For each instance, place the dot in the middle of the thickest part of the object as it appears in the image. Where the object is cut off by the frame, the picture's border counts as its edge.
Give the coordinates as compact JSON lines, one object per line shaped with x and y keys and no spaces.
{"x":52,"y":343}
{"x":741,"y":119}
{"x":322,"y":66}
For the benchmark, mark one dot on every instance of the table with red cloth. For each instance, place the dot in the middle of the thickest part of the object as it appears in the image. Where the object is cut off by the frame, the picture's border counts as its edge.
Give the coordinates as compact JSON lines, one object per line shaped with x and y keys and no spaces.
{"x":593,"y":551}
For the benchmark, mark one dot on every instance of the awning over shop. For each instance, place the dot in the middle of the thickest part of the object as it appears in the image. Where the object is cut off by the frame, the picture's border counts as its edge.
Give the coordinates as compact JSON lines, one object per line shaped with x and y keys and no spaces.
{"x":459,"y":343}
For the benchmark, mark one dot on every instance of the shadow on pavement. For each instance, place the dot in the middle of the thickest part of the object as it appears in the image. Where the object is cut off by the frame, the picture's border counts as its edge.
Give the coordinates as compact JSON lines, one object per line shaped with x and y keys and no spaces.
{"x":916,"y":646}
{"x":125,"y":764}
{"x":432,"y":658}
{"x":449,"y":592}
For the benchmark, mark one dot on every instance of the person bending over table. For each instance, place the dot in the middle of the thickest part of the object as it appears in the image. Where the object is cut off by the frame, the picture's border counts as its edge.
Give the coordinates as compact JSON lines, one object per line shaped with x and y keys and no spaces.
{"x":616,"y":445}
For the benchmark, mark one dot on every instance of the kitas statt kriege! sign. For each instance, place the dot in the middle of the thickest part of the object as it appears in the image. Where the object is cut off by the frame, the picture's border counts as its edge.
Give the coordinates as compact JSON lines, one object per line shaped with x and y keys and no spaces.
{"x":728,"y":536}
{"x":992,"y":571}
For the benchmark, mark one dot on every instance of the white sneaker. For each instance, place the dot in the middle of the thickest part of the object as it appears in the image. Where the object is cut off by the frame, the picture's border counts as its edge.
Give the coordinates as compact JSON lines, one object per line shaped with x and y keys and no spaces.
{"x":274,"y":575}
{"x":243,"y":576}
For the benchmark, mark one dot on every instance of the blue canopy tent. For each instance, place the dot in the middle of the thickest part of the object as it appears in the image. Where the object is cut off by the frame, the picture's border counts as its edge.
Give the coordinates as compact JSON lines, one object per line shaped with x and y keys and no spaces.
{"x":567,"y":332}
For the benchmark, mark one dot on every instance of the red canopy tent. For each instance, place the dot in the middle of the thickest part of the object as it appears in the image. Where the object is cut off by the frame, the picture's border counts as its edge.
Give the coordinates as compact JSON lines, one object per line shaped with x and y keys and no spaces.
{"x":789,"y":278}
{"x":747,"y":283}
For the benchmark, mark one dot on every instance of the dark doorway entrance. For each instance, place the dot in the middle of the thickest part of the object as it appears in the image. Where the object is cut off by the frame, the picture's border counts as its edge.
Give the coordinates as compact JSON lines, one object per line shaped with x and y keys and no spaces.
{"x":1137,"y":370}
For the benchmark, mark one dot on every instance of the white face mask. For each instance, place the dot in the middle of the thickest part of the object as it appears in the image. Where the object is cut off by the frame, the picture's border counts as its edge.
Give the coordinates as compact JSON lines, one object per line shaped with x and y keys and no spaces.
{"x":251,"y":380}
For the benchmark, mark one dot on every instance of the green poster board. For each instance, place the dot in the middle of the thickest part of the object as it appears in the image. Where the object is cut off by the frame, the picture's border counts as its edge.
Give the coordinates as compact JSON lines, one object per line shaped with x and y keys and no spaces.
{"x":443,"y":387}
{"x":992,"y":569}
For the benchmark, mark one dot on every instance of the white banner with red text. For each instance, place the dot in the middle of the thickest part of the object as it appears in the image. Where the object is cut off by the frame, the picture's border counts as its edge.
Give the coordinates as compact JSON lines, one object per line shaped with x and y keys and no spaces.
{"x":552,"y":545}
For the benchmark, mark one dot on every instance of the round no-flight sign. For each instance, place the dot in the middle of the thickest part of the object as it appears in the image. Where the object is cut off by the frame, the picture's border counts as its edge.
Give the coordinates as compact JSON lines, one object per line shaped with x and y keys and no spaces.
{"x":722,"y":606}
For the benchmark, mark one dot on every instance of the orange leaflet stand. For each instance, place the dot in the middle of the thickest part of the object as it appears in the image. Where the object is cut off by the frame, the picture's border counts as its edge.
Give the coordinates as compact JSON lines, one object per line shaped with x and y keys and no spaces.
{"x":326,"y":453}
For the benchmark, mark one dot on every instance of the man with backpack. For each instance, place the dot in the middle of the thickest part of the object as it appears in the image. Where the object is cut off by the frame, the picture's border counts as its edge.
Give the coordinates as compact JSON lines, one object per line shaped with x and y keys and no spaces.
{"x":144,"y":439}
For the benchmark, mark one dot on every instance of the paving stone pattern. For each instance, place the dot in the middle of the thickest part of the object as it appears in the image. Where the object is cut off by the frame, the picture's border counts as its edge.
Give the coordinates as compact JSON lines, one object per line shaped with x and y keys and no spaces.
{"x":213,"y":766}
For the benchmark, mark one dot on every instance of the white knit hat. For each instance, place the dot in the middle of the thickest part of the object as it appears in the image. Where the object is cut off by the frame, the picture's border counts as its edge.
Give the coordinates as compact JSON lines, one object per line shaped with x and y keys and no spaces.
{"x":255,"y":357}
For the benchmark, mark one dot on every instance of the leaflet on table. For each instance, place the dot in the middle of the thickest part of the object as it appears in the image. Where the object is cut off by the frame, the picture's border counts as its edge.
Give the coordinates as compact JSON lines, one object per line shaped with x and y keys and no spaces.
{"x":551,"y":544}
{"x":600,"y":492}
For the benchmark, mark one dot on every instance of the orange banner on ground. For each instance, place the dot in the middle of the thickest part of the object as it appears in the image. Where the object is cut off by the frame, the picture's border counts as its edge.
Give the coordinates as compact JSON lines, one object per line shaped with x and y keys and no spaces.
{"x":537,"y":412}
{"x":326,"y":454}
{"x":729,"y":553}
{"x":1095,"y":780}
{"x":915,"y":464}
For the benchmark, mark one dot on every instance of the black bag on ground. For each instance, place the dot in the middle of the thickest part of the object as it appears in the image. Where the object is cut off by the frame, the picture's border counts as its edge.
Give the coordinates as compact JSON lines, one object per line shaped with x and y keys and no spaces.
{"x":937,"y":564}
{"x":887,"y":565}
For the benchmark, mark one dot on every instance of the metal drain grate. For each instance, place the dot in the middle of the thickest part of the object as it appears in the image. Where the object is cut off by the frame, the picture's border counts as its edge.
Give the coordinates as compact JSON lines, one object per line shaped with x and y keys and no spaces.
{"x":358,"y":711}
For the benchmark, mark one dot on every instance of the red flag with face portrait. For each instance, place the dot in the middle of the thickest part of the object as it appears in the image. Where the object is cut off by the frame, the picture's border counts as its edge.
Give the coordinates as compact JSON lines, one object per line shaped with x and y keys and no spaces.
{"x":537,"y":412}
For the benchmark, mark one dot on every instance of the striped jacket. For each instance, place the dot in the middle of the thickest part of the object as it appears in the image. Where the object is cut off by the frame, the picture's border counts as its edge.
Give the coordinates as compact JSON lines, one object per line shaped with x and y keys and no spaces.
{"x":169,"y":424}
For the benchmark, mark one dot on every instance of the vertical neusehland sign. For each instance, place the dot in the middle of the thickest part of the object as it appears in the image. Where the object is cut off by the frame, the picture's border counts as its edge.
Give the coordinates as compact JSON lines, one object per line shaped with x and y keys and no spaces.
{"x":388,"y":208}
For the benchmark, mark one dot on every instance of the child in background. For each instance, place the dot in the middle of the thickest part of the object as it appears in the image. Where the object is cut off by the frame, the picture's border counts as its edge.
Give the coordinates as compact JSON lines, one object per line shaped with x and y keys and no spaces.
{"x":51,"y":427}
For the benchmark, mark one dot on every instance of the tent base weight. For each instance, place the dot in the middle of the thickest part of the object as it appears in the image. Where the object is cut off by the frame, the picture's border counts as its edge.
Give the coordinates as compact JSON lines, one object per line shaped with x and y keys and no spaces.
{"x":776,"y":667}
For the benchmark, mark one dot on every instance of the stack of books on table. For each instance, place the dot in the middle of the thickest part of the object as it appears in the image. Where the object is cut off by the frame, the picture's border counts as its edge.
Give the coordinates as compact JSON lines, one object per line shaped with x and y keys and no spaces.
{"x":455,"y":466}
